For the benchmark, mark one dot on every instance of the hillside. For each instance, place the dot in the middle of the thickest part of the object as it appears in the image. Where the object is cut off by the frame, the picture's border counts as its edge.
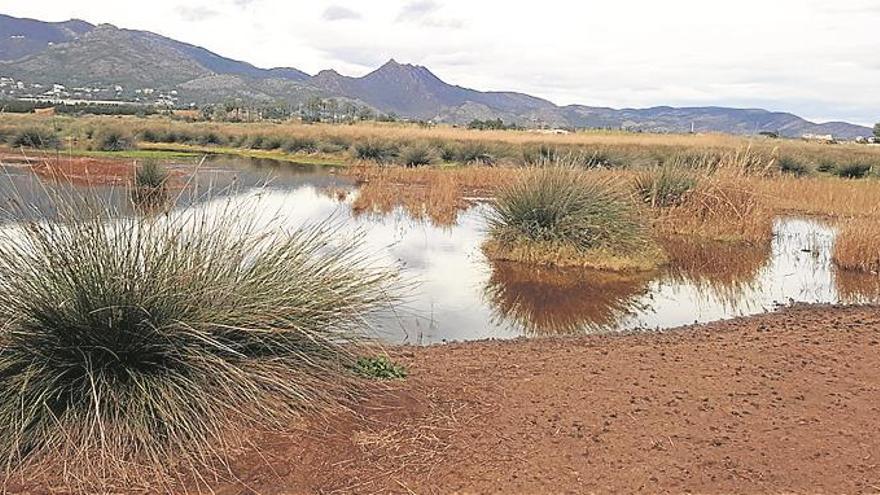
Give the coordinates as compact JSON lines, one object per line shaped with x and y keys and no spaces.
{"x":107,"y":56}
{"x":415,"y":92}
{"x":22,"y":37}
{"x":76,"y":53}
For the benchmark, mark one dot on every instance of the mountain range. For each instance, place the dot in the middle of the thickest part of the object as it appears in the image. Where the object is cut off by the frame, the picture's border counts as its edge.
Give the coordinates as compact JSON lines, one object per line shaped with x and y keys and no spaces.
{"x":76,"y":53}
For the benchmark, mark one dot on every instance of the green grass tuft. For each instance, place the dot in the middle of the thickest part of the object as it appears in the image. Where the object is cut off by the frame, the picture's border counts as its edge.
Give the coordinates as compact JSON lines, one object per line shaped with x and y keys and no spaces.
{"x":380,"y":368}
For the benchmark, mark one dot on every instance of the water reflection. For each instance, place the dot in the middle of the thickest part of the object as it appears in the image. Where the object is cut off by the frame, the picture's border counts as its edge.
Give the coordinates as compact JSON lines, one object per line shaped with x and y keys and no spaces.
{"x":462,"y":296}
{"x":727,"y":270}
{"x":551,"y":301}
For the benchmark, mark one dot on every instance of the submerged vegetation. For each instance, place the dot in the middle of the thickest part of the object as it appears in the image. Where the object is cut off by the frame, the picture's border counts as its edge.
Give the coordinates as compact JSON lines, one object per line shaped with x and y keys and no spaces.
{"x":558,"y":216}
{"x":137,"y":347}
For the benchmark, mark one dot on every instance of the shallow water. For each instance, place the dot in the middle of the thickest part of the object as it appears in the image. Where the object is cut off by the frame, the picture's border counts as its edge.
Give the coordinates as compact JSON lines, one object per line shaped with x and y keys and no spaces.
{"x":459,"y":295}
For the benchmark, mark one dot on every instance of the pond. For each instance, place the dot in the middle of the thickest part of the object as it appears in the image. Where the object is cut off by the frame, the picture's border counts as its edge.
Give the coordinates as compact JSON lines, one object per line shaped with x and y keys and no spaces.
{"x":456,"y":294}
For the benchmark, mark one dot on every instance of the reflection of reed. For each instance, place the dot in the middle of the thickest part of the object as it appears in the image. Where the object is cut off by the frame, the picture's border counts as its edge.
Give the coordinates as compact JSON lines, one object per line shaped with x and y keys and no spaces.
{"x":440,"y":201}
{"x":857,"y":287}
{"x":551,"y":301}
{"x":726,"y":270}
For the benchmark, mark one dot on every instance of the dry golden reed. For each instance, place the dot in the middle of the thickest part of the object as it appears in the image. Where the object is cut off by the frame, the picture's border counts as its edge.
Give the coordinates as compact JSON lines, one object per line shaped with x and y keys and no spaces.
{"x":858,"y":246}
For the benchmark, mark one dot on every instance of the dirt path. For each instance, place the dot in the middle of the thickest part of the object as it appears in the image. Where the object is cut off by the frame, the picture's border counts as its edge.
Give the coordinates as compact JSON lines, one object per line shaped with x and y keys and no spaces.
{"x":784,"y":402}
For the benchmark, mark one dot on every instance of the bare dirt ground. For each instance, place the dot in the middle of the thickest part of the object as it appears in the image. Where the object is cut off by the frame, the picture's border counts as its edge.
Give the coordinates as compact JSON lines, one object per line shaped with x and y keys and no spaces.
{"x":787,"y":402}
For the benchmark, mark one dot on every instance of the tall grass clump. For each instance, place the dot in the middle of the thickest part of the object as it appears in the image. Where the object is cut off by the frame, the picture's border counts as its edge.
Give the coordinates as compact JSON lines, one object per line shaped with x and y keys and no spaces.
{"x":417,"y":155}
{"x":667,"y":187}
{"x":34,"y":137}
{"x":475,"y":153}
{"x":144,"y":347}
{"x":559,"y":216}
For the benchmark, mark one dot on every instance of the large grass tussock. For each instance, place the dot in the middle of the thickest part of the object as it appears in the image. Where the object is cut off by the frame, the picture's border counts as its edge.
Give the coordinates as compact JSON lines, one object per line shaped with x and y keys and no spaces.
{"x":135,"y":346}
{"x":559,"y":216}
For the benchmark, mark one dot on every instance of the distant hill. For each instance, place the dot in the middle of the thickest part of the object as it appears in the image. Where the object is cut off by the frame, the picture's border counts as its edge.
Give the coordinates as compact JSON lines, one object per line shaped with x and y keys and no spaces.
{"x":415,"y":92}
{"x":22,"y":37}
{"x":76,"y":53}
{"x":106,"y":55}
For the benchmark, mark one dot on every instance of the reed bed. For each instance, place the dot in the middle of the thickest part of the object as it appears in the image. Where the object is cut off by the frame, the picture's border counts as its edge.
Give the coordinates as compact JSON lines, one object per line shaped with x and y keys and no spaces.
{"x":453,"y":145}
{"x":138,"y":349}
{"x":827,"y":197}
{"x":718,"y":209}
{"x":857,"y":247}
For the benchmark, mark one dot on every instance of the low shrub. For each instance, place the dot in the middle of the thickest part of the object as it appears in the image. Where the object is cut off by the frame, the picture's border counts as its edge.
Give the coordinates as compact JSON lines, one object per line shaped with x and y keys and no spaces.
{"x":853,"y":170}
{"x":792,"y":166}
{"x":34,"y":137}
{"x":448,"y":152}
{"x":559,"y":216}
{"x":150,"y":136}
{"x":375,"y":150}
{"x":113,"y":140}
{"x":271,"y":143}
{"x":210,"y":138}
{"x":136,"y":346}
{"x":300,"y":145}
{"x":826,"y":166}
{"x":254,"y":142}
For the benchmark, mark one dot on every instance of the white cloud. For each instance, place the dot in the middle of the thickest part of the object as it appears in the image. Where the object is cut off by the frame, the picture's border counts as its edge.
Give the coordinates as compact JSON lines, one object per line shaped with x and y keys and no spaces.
{"x":338,"y":13}
{"x":810,"y":57}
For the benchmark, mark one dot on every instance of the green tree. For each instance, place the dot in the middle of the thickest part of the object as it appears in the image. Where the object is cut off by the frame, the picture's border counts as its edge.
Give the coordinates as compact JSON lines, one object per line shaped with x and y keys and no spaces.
{"x":877,"y":130}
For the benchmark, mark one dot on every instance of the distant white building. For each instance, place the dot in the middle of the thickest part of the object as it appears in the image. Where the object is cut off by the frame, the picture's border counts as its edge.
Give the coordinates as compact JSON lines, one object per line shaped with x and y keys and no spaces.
{"x":818,"y":138}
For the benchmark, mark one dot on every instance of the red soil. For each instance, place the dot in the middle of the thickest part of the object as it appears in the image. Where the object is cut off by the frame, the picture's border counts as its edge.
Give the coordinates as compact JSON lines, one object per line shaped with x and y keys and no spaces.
{"x":784,"y":402}
{"x":80,"y":170}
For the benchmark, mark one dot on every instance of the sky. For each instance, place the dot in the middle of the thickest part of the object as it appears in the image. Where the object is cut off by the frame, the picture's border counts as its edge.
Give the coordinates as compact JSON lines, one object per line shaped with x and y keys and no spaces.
{"x":818,"y":59}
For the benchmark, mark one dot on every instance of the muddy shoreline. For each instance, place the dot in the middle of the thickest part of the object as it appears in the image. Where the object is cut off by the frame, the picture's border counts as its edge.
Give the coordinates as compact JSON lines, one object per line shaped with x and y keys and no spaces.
{"x":780,"y":402}
{"x":783,"y":402}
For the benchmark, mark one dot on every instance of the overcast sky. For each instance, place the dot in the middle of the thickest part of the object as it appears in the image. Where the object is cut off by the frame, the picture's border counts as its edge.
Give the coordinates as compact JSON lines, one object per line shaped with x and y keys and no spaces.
{"x":820,"y":59}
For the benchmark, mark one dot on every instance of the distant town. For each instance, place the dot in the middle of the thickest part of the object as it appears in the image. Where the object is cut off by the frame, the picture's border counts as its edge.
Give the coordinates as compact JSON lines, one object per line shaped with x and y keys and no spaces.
{"x":60,"y":94}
